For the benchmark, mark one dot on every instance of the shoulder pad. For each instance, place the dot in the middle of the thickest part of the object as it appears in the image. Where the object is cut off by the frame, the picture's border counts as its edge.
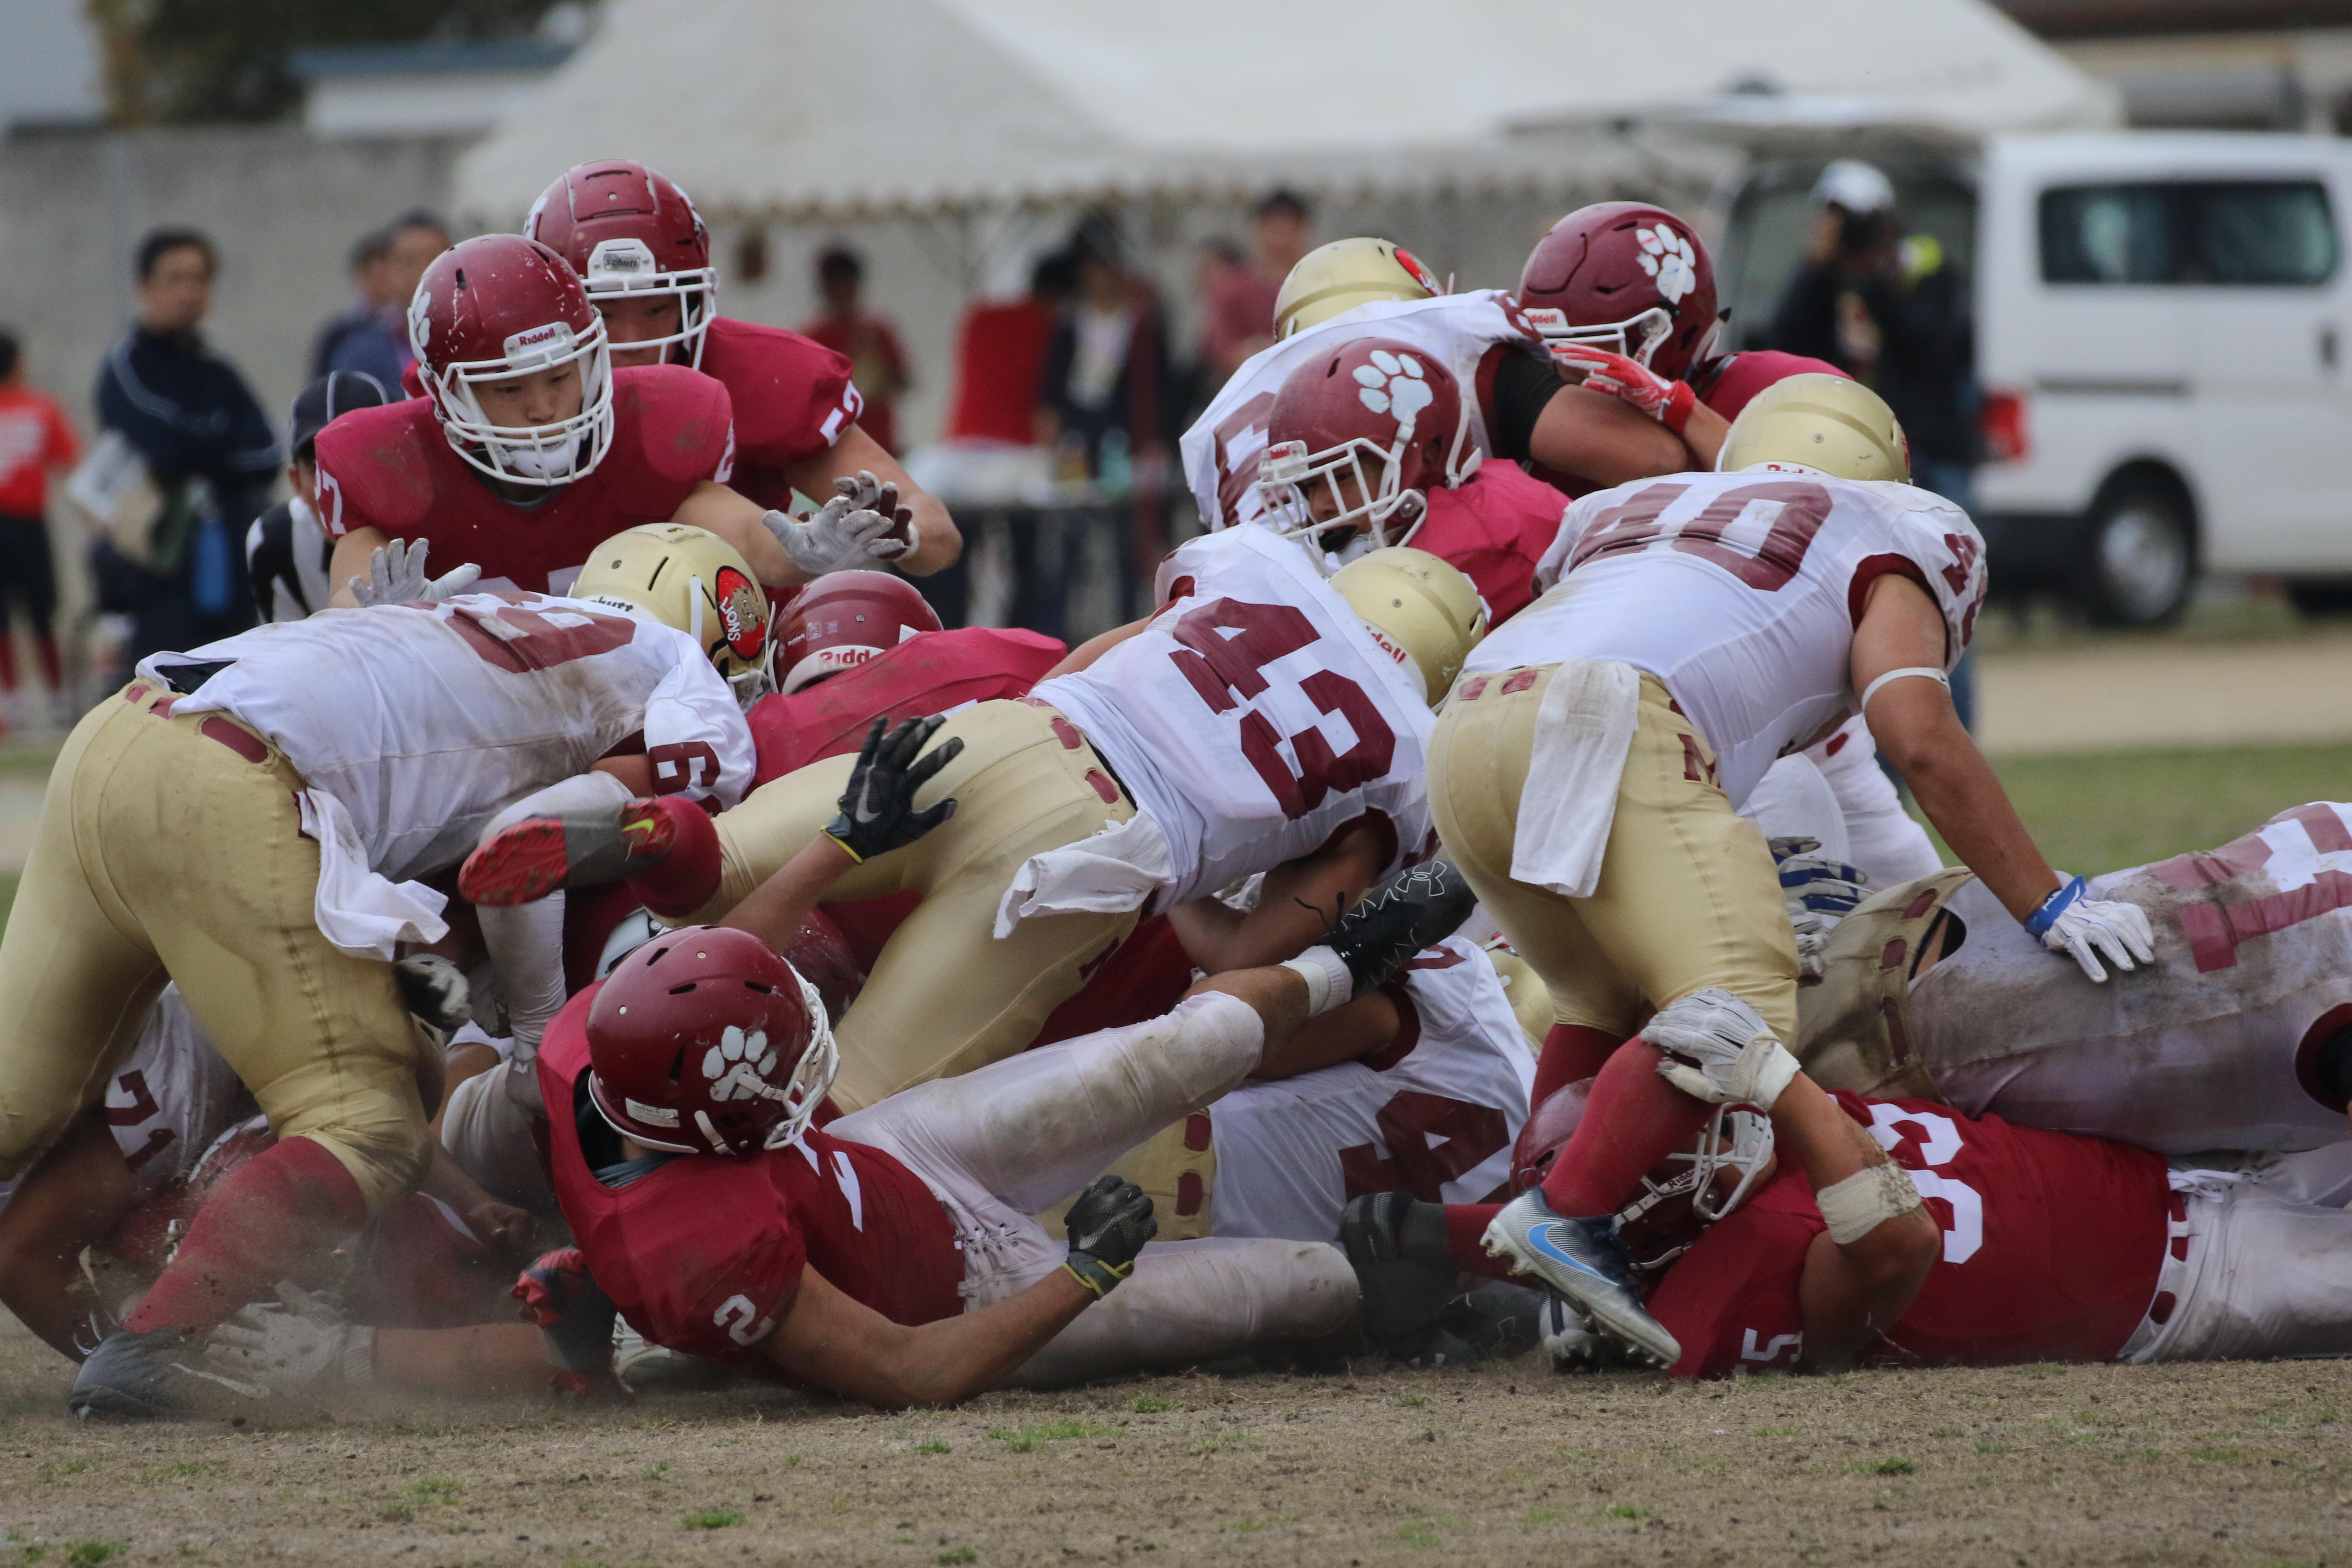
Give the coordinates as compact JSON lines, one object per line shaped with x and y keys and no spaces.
{"x":681,"y":421}
{"x":381,"y":463}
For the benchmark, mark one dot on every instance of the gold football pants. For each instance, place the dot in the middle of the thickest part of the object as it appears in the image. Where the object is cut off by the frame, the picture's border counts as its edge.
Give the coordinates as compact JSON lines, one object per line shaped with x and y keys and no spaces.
{"x":945,"y":997}
{"x":173,"y":846}
{"x":1687,"y":896}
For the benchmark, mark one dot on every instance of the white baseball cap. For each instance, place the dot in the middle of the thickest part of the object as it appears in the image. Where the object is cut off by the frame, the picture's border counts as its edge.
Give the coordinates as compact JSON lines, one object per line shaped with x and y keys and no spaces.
{"x":1857,"y":186}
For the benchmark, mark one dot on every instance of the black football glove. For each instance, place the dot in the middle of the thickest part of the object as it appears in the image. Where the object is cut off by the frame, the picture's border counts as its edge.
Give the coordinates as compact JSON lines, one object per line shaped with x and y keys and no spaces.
{"x":877,"y":810}
{"x":1108,"y":1225}
{"x":574,"y":1316}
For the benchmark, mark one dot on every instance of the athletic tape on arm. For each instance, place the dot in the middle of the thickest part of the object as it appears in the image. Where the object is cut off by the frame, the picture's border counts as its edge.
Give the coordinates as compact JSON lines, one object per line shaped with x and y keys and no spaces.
{"x":1926,"y":671}
{"x":1855,"y":1207}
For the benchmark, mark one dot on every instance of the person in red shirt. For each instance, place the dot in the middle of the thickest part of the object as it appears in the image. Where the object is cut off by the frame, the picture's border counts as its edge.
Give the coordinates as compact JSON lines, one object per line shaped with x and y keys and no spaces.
{"x":640,"y":246}
{"x":34,"y":442}
{"x":1240,"y":305}
{"x":870,"y":343}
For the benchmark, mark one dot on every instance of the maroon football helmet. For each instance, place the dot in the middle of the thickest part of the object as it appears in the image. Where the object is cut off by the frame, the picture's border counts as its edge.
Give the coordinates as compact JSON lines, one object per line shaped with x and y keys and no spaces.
{"x":1381,"y":414}
{"x":1735,"y":1138}
{"x":628,"y":231}
{"x":501,"y":306}
{"x":703,"y":1041}
{"x":1629,"y":277}
{"x":844,"y":618}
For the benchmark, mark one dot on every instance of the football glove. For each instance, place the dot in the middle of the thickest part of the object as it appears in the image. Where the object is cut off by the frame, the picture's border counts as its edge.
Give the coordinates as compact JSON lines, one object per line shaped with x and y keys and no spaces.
{"x":2089,"y":930}
{"x":1109,"y":1225}
{"x":1738,"y":1061}
{"x":862,"y":525}
{"x":1630,"y":381}
{"x":304,"y":1343}
{"x":575,"y":1317}
{"x":435,"y":991}
{"x":877,"y":810}
{"x":396,"y":576}
{"x":1818,"y":893}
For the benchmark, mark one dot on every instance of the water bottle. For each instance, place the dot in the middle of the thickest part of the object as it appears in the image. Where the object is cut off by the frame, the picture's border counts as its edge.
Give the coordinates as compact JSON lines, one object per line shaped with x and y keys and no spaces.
{"x":1116,"y":474}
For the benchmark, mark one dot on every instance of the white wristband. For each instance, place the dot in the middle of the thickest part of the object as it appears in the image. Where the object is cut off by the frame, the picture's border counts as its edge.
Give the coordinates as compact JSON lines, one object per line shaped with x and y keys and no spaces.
{"x":1926,"y":671}
{"x":1855,"y":1206}
{"x":1328,"y":984}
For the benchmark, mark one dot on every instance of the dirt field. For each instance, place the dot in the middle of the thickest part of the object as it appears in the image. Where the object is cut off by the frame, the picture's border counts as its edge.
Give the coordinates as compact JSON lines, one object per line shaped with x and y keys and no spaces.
{"x":2032,"y":1465}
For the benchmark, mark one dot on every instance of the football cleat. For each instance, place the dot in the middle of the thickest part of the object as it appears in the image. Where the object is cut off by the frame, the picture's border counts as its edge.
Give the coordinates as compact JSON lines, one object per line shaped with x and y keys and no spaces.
{"x":532,"y":859}
{"x":1419,"y":905}
{"x":1583,"y":1260}
{"x":1401,"y":1295}
{"x":148,"y":1377}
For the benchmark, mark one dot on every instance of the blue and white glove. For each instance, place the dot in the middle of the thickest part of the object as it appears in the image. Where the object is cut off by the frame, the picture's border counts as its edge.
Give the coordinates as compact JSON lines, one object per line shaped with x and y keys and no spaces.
{"x":1818,"y":893}
{"x":2087,"y":930}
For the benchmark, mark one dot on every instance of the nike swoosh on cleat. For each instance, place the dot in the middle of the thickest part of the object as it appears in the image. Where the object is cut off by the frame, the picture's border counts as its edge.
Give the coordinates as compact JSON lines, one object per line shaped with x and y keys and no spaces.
{"x":1539,"y":1237}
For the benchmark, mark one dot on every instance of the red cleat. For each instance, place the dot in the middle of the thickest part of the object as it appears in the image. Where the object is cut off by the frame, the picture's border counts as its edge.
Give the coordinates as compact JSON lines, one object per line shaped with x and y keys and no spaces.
{"x":543,"y":855}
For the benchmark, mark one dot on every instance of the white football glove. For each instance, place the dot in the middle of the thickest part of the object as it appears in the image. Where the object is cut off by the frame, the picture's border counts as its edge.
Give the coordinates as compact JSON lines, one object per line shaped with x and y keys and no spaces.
{"x":1738,"y":1060}
{"x":304,"y":1344}
{"x":856,"y":529}
{"x":1818,"y":893}
{"x":396,"y":576}
{"x":2088,"y":929}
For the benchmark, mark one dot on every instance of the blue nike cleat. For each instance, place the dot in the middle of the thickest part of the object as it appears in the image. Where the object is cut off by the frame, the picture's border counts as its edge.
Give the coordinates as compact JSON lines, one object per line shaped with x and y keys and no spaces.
{"x":1580,"y":1259}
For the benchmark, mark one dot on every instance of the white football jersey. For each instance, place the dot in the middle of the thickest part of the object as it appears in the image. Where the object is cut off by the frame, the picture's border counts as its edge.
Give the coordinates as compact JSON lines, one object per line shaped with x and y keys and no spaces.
{"x":1255,"y":715}
{"x":2208,"y":1048}
{"x":1458,"y":330}
{"x":424,"y":720}
{"x":167,"y":1101}
{"x":1435,"y":1116}
{"x":1740,"y":591}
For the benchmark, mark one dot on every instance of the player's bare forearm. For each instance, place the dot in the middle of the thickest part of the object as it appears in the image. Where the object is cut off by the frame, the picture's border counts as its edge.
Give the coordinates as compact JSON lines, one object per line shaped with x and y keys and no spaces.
{"x":1347,"y":1032}
{"x":1094,"y":647}
{"x":1603,"y":441}
{"x":636,"y":772}
{"x":352,"y":554}
{"x":1298,"y":903}
{"x":76,"y":1194}
{"x":831,"y":1341}
{"x":1852,"y":1292}
{"x":718,"y":509}
{"x":1703,"y":433}
{"x":938,"y":543}
{"x":484,"y":1360}
{"x":773,"y":911}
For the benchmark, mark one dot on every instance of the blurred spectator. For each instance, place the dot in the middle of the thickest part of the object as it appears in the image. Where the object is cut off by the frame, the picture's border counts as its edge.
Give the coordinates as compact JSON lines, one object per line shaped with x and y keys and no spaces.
{"x":1213,"y":267}
{"x":207,"y":445}
{"x":371,"y":335}
{"x":877,"y":364}
{"x":287,"y":548}
{"x":1001,"y":357}
{"x":1240,"y":312}
{"x":34,"y":442}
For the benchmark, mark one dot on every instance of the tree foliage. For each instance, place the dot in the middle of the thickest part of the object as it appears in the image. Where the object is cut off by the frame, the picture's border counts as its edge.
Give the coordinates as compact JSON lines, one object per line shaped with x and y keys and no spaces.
{"x":192,"y":61}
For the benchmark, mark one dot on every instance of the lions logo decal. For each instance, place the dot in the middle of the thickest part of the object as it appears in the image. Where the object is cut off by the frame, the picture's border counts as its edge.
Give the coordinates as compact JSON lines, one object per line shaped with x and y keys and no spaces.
{"x":742,"y":614}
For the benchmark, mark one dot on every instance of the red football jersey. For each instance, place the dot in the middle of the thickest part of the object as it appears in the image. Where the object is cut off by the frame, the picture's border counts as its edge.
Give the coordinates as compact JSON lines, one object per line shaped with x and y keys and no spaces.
{"x":392,"y":468}
{"x":930,"y":672}
{"x":2052,"y":1245}
{"x":793,"y":399}
{"x":704,"y":1255}
{"x":1493,"y":529}
{"x":1727,"y":384}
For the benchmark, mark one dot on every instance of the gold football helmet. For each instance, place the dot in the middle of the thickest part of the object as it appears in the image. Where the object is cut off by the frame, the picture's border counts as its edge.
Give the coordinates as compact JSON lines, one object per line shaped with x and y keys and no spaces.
{"x":1838,"y":426}
{"x":691,"y":579}
{"x":1421,"y":609}
{"x":1344,"y":274}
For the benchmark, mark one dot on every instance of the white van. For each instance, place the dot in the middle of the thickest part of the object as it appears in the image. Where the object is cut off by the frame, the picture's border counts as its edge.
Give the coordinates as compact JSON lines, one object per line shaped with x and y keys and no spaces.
{"x":2162,"y":324}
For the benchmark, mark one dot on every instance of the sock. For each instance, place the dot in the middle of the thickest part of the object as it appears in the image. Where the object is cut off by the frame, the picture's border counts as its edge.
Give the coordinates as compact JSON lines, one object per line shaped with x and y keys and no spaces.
{"x":279,"y":1208}
{"x":1328,"y":984}
{"x":1464,"y":1224}
{"x":688,"y":878}
{"x":1634,"y":1120}
{"x":1571,"y":1053}
{"x":45,"y":648}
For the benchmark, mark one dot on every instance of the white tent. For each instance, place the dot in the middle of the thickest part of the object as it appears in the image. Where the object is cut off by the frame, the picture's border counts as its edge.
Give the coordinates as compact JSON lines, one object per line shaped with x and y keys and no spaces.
{"x":841,"y":109}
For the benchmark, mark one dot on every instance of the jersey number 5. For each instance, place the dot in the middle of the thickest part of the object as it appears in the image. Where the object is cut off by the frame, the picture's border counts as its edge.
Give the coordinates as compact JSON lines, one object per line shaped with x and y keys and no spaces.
{"x":1224,"y":667}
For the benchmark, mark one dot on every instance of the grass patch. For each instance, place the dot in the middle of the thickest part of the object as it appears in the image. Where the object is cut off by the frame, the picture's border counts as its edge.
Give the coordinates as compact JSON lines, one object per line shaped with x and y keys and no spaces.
{"x":1413,"y":1401}
{"x":713,"y":1518}
{"x":1024,"y":1439}
{"x":1537,"y":1518}
{"x":657,"y":1470}
{"x":959,"y":1554}
{"x":1625,"y":1510}
{"x":930,"y":1446}
{"x":1150,"y":1405}
{"x":89,"y":1554}
{"x":1418,"y":1533}
{"x":432,"y":1489}
{"x":1891,"y":1466}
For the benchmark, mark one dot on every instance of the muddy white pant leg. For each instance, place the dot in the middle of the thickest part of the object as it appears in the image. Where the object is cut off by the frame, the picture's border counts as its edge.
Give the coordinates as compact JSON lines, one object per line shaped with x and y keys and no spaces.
{"x":2271,"y":1270}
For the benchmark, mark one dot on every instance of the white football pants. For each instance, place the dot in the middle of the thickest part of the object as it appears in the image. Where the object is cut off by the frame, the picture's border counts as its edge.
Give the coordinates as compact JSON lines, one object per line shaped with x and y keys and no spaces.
{"x":1018,"y":1136}
{"x":2268,"y":1265}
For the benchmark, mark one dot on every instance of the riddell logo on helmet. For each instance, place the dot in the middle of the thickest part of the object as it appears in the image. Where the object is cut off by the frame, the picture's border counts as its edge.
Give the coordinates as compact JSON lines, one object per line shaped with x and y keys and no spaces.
{"x":739,"y":618}
{"x":1392,"y":649}
{"x":540,"y":342}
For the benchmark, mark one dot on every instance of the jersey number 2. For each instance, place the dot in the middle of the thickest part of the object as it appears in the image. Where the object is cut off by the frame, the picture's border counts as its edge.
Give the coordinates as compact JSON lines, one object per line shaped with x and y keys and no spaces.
{"x":1225,"y":668}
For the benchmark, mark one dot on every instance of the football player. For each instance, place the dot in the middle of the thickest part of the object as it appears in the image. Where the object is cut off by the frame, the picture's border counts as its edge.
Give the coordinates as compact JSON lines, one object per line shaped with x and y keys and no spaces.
{"x":248,"y":819}
{"x":1588,"y":766}
{"x":2239,"y":1037}
{"x":640,"y":246}
{"x":1515,"y":403}
{"x":1261,"y":718}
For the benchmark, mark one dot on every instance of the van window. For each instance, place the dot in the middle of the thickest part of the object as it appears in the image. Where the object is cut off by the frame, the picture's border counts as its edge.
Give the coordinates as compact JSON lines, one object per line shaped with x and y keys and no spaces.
{"x":2273,"y":233}
{"x":2107,"y":234}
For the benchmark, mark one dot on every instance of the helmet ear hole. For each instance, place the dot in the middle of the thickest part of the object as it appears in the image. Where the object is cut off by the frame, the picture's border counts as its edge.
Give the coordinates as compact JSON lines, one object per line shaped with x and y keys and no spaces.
{"x":677,"y":1066}
{"x":681,"y":990}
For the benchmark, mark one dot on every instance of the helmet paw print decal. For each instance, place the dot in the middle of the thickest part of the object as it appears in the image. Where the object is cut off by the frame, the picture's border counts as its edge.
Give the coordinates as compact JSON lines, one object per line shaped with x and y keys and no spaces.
{"x":1668,"y":258}
{"x":738,"y":1065}
{"x":1394,"y":384}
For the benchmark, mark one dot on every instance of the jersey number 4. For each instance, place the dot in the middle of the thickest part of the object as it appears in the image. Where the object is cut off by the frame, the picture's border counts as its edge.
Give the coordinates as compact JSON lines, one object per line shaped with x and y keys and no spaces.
{"x":1768,"y":563}
{"x":1227,"y":646}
